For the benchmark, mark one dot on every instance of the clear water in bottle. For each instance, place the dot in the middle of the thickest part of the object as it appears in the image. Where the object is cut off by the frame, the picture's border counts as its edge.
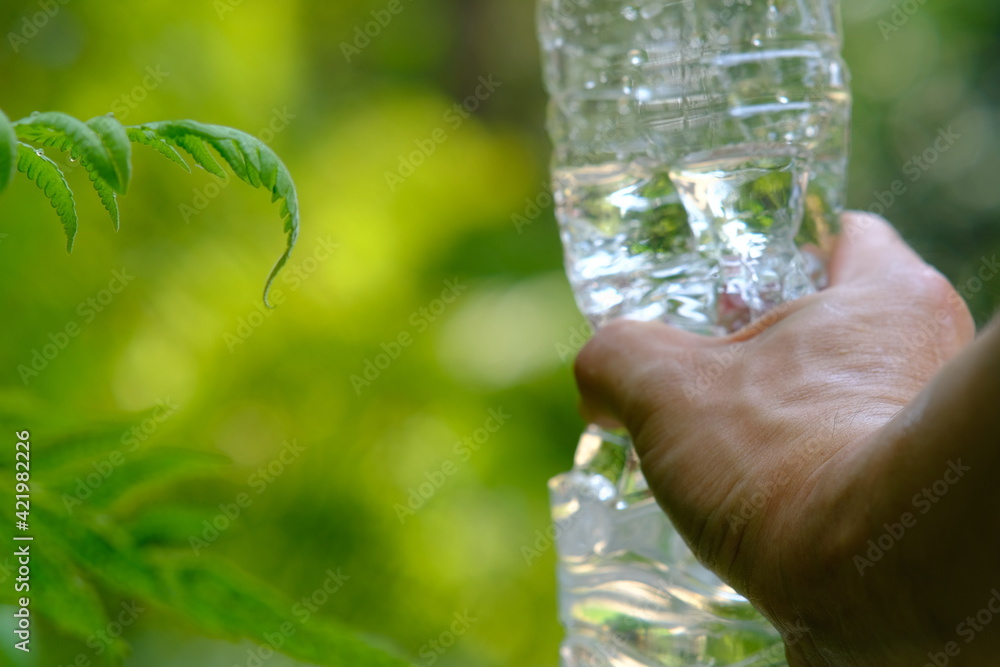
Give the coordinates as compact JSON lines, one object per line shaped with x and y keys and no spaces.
{"x":699,"y":166}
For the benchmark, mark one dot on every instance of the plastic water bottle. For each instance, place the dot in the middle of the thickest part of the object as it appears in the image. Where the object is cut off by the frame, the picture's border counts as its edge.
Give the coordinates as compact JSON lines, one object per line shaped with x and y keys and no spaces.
{"x":700,"y":151}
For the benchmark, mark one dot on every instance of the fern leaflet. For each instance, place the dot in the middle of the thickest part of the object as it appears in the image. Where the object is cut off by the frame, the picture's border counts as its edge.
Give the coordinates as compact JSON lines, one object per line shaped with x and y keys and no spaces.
{"x":116,"y":143}
{"x":82,"y":141}
{"x":197,"y":149}
{"x":109,"y":198}
{"x":140,"y":135}
{"x":119,"y":148}
{"x":249,"y":158}
{"x":50,"y":179}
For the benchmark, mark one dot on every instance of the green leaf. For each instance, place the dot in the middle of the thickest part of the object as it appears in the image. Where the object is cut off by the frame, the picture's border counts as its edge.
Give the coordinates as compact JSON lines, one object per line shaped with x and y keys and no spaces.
{"x":167,"y":525}
{"x":62,"y":131}
{"x":67,"y":453}
{"x":117,"y":144}
{"x":140,"y":135}
{"x":52,"y":182}
{"x":98,"y":547}
{"x":141,"y":474}
{"x":205,"y":591}
{"x":81,"y":612}
{"x":109,"y":198}
{"x":229,"y":604}
{"x":197,"y":149}
{"x":251,"y":160}
{"x":119,"y":148}
{"x":8,"y":151}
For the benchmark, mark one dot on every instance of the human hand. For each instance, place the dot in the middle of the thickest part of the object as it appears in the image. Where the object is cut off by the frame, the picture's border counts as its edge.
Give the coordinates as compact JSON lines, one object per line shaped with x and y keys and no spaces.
{"x":862,"y":416}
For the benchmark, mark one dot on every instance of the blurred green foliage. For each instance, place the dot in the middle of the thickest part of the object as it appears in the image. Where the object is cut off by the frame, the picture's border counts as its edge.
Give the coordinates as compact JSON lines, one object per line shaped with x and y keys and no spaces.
{"x":427,"y":290}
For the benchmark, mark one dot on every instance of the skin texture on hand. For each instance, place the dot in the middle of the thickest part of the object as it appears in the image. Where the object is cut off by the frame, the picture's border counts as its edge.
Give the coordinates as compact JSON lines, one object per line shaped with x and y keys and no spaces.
{"x":837,"y":463}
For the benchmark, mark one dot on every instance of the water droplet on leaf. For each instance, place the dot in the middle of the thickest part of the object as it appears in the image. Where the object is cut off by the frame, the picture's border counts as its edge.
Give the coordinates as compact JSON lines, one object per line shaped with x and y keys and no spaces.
{"x":637,"y":57}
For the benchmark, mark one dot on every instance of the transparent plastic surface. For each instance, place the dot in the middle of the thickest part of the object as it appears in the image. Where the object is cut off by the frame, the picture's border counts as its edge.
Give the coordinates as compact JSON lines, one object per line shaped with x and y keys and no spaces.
{"x":699,"y":166}
{"x":631,"y":592}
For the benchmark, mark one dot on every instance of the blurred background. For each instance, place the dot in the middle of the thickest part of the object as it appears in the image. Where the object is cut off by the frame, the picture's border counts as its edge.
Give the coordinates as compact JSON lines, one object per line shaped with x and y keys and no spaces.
{"x":394,"y":421}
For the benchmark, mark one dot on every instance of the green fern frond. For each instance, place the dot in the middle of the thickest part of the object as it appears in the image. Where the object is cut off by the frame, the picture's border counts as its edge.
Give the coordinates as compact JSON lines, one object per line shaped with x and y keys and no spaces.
{"x":50,"y":179}
{"x":78,"y":601}
{"x":205,"y":590}
{"x":8,"y":151}
{"x":127,"y":542}
{"x":104,"y":147}
{"x":62,"y":131}
{"x":116,"y":142}
{"x":235,"y":606}
{"x":140,"y":135}
{"x":197,"y":149}
{"x":141,"y":475}
{"x":249,"y":158}
{"x":166,"y":525}
{"x":101,"y":145}
{"x":109,"y":198}
{"x":119,"y":148}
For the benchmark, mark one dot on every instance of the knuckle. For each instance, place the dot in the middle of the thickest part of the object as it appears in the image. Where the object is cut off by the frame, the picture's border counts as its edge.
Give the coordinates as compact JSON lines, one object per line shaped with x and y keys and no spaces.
{"x":939,"y":297}
{"x":609,"y":337}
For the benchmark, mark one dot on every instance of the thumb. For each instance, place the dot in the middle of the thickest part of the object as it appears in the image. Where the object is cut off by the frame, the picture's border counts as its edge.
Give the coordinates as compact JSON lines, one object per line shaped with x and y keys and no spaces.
{"x":629,"y":369}
{"x":868,"y":249}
